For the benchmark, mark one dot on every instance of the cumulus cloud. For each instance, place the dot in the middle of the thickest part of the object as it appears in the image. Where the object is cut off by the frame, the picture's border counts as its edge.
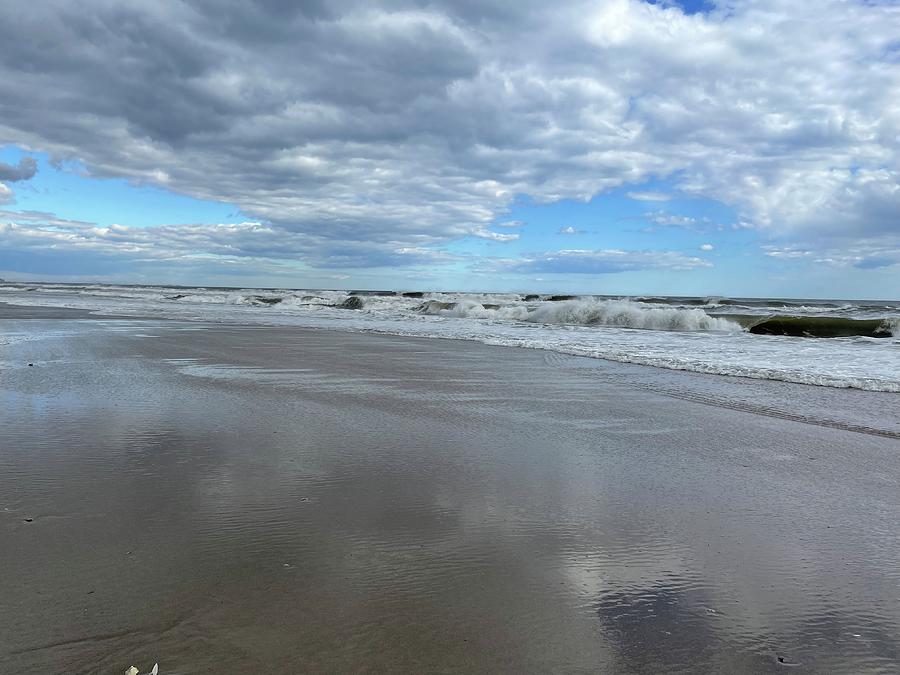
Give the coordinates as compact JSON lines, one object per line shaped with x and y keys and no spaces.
{"x":599,"y":261}
{"x":706,"y":247}
{"x":569,"y":229}
{"x":26,"y":169}
{"x":6,"y":195}
{"x":375,"y":126}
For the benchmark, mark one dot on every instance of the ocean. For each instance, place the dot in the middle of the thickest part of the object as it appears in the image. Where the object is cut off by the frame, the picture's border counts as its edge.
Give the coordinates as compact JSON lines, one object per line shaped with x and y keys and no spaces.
{"x":832,"y":343}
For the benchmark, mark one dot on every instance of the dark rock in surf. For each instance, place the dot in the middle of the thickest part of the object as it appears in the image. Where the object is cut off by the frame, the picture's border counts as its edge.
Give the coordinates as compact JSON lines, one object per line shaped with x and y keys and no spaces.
{"x":821,"y":327}
{"x":413,"y":294}
{"x":558,"y":298}
{"x":353,"y":302}
{"x":531,"y":297}
{"x":267,"y":301}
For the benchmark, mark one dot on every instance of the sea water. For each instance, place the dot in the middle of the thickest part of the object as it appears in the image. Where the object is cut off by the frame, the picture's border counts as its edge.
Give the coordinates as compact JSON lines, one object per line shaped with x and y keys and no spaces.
{"x":834,"y":343}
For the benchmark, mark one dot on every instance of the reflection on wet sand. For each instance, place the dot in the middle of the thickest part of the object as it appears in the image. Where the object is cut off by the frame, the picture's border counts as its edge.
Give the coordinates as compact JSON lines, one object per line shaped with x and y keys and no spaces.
{"x":671,"y":624}
{"x":249,"y":498}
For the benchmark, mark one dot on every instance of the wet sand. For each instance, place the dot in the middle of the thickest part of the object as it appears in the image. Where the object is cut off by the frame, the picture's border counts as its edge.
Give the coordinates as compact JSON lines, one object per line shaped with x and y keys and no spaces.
{"x":251,"y":499}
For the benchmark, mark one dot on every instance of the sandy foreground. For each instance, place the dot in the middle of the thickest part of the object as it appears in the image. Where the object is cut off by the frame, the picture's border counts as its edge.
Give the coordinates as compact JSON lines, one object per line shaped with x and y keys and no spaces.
{"x":237,"y":499}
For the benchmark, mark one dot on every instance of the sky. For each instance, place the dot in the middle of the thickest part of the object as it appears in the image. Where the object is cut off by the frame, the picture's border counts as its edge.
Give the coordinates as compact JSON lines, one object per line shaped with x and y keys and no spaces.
{"x":709,"y":147}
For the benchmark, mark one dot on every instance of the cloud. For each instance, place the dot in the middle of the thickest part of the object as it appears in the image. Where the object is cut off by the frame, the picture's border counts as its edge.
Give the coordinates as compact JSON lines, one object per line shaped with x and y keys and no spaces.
{"x":875,"y":263}
{"x":511,"y":223}
{"x":494,"y":236}
{"x":649,"y":196}
{"x":56,"y":244}
{"x":601,"y":261}
{"x":42,"y":233}
{"x":569,"y":230}
{"x":360,"y":128}
{"x":664,"y":219}
{"x":862,"y":254}
{"x":787,"y":252}
{"x":706,"y":247}
{"x":26,"y":169}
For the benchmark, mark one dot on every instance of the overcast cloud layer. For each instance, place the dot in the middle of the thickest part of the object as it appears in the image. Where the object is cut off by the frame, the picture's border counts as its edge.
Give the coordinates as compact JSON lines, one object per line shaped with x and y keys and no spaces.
{"x":363,"y":133}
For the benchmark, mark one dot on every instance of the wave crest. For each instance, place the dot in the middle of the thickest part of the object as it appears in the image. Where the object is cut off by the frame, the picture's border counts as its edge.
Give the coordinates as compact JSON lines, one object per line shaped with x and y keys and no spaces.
{"x":609,"y":313}
{"x":628,"y":314}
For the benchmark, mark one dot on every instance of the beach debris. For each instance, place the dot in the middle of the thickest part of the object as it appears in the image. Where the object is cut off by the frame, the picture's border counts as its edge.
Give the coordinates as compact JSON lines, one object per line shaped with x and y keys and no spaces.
{"x":782,"y":661}
{"x":133,"y":670}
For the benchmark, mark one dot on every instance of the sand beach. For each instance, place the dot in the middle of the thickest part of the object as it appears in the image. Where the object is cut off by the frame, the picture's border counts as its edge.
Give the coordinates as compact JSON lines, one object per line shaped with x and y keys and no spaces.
{"x":230,"y":498}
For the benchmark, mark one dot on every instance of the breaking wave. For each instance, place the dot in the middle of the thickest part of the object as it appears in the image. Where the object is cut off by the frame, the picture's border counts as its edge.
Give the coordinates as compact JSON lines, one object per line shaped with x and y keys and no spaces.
{"x":611,"y":313}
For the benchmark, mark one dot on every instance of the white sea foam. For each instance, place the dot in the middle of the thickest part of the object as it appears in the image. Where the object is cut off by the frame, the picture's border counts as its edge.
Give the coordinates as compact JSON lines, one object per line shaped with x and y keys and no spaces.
{"x":611,"y":313}
{"x":627,"y":314}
